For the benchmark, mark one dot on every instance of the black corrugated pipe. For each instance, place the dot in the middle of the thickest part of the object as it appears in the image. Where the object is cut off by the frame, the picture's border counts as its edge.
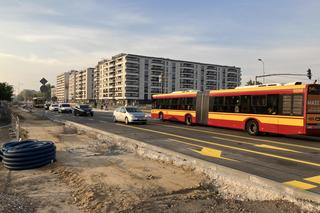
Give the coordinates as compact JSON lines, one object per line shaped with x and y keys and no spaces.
{"x":27,"y":154}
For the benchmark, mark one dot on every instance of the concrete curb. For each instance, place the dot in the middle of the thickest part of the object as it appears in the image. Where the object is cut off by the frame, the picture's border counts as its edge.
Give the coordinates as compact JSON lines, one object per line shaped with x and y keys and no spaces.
{"x":231,"y":183}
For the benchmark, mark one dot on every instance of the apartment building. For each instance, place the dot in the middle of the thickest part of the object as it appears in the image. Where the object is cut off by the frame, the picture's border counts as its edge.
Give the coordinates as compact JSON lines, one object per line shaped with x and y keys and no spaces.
{"x":84,"y":84}
{"x":96,"y":80}
{"x":72,"y":85}
{"x":62,"y":87}
{"x":129,"y":78}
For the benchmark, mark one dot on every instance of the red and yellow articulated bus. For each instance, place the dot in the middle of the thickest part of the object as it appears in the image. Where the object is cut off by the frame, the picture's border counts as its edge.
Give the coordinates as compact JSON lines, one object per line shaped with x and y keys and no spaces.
{"x":280,"y":109}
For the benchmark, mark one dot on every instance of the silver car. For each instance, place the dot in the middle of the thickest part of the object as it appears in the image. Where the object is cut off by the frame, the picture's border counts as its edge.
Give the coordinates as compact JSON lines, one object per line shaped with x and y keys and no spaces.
{"x":129,"y":115}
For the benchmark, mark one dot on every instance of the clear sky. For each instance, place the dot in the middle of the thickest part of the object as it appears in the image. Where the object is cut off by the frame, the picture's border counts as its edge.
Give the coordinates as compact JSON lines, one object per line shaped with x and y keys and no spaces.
{"x":44,"y":38}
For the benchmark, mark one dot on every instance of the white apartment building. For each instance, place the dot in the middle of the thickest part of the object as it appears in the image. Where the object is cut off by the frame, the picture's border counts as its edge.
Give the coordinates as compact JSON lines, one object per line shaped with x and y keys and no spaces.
{"x":84,"y":84}
{"x":72,"y":85}
{"x":62,"y":87}
{"x":128,"y":78}
{"x":96,"y":80}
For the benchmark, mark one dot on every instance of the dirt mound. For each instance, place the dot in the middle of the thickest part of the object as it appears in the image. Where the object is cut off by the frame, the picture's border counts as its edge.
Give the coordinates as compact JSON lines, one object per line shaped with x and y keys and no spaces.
{"x":204,"y":199}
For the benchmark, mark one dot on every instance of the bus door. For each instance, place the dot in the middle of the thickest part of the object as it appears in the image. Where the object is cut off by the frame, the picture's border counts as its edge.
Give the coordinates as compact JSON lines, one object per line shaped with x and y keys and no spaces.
{"x":202,"y":107}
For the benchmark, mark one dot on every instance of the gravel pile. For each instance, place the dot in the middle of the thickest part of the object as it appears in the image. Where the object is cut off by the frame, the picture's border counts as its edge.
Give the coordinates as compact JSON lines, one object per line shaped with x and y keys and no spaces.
{"x":15,"y":204}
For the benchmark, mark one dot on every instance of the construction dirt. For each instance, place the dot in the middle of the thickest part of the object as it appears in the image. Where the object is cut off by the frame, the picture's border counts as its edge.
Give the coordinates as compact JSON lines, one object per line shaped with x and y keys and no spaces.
{"x":98,"y":176}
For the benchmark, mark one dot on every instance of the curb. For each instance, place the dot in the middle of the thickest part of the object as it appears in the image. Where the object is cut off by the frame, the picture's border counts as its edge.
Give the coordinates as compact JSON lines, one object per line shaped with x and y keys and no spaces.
{"x":238,"y":184}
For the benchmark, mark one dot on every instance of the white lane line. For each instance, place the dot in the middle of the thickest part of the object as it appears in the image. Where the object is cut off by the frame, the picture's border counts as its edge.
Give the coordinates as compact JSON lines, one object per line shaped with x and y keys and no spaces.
{"x":103,"y":121}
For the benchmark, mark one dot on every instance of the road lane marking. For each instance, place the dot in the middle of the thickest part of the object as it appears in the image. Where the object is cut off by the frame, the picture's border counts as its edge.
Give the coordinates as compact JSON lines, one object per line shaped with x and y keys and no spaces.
{"x":242,"y":137}
{"x":227,"y":146}
{"x":315,"y":179}
{"x":211,"y":153}
{"x":103,"y":121}
{"x":275,"y":148}
{"x":300,"y":185}
{"x":215,"y":153}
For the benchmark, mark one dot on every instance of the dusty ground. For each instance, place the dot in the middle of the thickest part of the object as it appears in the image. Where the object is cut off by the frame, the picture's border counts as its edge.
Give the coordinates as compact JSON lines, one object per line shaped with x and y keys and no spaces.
{"x":95,"y":176}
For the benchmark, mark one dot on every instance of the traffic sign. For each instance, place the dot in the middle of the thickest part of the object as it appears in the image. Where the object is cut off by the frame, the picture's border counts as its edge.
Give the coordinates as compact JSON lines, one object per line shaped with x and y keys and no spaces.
{"x":43,"y":81}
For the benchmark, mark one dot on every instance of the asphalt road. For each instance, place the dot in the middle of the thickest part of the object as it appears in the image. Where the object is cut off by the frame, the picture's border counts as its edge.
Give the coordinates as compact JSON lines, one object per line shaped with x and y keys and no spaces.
{"x":289,"y":160}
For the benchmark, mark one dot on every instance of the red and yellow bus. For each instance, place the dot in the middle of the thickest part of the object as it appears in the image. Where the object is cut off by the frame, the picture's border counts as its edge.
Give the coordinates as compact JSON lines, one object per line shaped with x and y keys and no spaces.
{"x":282,"y":109}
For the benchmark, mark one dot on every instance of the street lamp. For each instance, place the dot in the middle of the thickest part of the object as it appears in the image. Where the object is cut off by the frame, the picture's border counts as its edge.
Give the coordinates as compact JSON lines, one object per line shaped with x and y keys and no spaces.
{"x":259,"y":59}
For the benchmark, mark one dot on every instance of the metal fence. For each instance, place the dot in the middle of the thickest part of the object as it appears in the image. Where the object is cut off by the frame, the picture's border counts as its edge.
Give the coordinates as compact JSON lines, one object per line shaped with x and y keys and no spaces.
{"x":15,"y":131}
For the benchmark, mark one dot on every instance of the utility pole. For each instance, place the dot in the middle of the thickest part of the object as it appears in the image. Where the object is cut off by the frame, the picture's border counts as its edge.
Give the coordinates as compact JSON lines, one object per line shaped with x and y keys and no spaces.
{"x":263,"y":71}
{"x":161,"y":80}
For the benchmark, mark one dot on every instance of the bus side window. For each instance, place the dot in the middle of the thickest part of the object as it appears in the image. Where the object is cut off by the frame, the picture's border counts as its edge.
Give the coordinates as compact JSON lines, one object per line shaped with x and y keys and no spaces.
{"x":232,"y":104}
{"x":297,"y":107}
{"x":174,"y":102}
{"x":272,"y":104}
{"x":245,"y":104}
{"x":211,"y":104}
{"x":189,"y":103}
{"x":286,"y":104}
{"x":259,"y":104}
{"x":218,"y":104}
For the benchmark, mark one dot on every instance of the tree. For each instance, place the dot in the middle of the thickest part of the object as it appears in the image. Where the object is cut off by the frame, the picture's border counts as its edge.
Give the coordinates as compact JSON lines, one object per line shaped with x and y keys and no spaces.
{"x":46,"y":91}
{"x":27,"y":95}
{"x":251,"y":82}
{"x":6,"y":91}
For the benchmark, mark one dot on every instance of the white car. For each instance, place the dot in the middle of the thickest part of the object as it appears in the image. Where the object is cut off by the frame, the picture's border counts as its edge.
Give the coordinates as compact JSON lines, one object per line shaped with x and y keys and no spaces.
{"x":129,"y":115}
{"x":54,"y":107}
{"x":65,"y":107}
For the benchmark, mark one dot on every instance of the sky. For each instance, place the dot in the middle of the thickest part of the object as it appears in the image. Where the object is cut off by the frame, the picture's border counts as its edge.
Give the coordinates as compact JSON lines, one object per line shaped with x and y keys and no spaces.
{"x":41,"y":38}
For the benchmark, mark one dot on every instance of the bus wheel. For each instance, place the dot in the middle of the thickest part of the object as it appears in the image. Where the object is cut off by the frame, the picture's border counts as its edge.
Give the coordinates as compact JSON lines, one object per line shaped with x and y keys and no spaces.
{"x":161,"y":116}
{"x":252,"y":127}
{"x":188,"y":120}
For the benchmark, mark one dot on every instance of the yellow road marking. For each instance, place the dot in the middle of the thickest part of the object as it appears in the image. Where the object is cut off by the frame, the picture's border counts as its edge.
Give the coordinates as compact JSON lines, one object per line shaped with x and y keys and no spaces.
{"x":211,"y":153}
{"x":275,"y":148}
{"x":241,"y":137}
{"x":315,"y":179}
{"x":205,"y":150}
{"x":300,"y":185}
{"x":226,"y":146}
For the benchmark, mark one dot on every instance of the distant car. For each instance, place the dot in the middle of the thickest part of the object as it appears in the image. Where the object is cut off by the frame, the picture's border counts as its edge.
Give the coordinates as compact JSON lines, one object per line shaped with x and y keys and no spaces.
{"x":82,"y":109}
{"x":64,"y":107}
{"x":129,"y":115}
{"x":46,"y":106}
{"x":54,"y":107}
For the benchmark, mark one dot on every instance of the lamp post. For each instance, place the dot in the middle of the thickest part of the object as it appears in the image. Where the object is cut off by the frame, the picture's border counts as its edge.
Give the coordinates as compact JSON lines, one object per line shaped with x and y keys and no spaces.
{"x":259,"y":59}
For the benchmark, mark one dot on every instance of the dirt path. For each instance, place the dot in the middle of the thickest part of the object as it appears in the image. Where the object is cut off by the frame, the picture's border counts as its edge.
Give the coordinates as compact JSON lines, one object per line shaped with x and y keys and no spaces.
{"x":97,"y":176}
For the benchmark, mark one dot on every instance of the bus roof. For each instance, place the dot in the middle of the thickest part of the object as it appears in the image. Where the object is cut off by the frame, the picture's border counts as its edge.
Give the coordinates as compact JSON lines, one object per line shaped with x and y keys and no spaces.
{"x":177,"y":94}
{"x":260,"y":89}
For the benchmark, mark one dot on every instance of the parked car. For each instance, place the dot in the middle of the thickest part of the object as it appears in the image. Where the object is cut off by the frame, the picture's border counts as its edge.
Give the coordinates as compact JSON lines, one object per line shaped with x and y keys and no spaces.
{"x":46,"y":106}
{"x":129,"y":115}
{"x":64,"y":107}
{"x":54,"y":107}
{"x":82,"y":109}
